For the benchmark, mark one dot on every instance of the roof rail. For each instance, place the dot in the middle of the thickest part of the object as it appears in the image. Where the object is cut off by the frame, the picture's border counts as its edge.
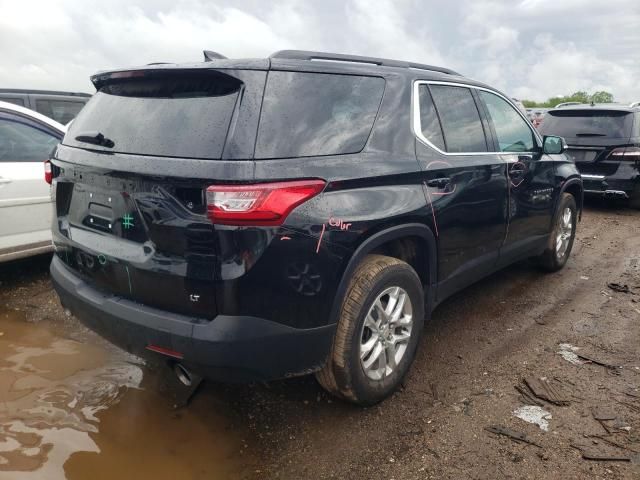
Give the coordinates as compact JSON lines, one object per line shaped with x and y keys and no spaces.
{"x":339,"y":57}
{"x":210,"y":55}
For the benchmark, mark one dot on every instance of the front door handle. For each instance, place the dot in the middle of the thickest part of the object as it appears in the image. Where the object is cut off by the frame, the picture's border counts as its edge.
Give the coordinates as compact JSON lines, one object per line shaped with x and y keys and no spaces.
{"x":439,"y":182}
{"x":517,"y":169}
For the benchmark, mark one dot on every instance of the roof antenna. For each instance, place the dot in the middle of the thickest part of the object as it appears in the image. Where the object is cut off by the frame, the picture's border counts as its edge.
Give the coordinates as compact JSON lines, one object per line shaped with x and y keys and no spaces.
{"x":210,"y":55}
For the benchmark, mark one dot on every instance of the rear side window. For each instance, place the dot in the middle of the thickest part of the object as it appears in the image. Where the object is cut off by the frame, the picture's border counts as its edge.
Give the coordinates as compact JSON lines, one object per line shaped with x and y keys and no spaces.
{"x":309,"y":114}
{"x":429,"y":123}
{"x":20,"y":142}
{"x":513,"y":132}
{"x":173,"y":114}
{"x":588,"y":123}
{"x":61,"y":111}
{"x":460,"y":119}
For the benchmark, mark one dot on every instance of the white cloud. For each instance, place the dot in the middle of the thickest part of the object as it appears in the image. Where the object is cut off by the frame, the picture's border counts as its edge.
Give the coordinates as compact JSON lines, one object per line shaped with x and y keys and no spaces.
{"x":381,"y":29}
{"x":61,"y":47}
{"x":560,"y":47}
{"x":531,"y":48}
{"x":566,"y":65}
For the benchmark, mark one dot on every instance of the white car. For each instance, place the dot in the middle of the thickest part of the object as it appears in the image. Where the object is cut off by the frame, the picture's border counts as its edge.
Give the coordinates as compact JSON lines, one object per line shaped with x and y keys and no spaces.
{"x":26,"y":141}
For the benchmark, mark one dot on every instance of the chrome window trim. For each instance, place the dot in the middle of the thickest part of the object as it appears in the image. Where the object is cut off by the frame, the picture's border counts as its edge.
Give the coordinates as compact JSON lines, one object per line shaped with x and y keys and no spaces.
{"x":416,"y":126}
{"x":577,"y":147}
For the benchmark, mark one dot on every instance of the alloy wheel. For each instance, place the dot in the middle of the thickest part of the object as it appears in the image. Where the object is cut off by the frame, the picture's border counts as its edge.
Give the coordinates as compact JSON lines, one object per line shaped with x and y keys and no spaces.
{"x":386,"y":332}
{"x":565,"y":231}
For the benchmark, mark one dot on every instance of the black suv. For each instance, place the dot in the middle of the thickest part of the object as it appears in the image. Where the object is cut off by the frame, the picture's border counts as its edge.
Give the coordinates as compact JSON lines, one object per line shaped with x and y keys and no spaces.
{"x":260,"y":219}
{"x":604,"y":141}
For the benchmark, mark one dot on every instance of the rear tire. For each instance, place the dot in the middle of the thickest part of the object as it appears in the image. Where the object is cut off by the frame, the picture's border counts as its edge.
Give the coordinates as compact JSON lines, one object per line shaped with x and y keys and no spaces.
{"x":380,"y":323}
{"x":562,"y":235}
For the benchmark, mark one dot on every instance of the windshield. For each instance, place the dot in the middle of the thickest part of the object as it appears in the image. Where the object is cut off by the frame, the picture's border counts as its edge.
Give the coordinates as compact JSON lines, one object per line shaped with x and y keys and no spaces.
{"x":587,"y":123}
{"x":174,"y":114}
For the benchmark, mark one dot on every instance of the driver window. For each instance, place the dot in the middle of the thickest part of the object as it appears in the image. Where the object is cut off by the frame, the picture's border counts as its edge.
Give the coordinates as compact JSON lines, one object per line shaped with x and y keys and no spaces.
{"x":23,"y":143}
{"x":513,"y":132}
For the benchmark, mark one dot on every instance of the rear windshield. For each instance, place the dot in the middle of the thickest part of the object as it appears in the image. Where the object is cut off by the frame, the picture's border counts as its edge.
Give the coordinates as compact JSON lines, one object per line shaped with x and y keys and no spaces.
{"x":588,"y":123}
{"x":177,"y":114}
{"x":308,"y":114}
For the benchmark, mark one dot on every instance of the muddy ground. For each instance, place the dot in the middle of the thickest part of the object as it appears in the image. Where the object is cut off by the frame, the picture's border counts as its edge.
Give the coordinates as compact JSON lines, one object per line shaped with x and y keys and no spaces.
{"x":72,"y":406}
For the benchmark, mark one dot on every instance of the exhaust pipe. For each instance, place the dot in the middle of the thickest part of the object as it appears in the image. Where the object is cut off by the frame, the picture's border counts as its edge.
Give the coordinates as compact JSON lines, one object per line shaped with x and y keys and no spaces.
{"x":184,"y":376}
{"x":615,"y":194}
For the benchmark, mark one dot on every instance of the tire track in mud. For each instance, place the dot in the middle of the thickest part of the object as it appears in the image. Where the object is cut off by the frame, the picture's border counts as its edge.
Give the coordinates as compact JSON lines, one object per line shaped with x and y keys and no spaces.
{"x":513,"y":299}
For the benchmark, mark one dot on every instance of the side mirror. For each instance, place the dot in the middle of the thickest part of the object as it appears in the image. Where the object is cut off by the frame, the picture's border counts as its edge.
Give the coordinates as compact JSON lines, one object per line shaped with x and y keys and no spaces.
{"x":552,"y":145}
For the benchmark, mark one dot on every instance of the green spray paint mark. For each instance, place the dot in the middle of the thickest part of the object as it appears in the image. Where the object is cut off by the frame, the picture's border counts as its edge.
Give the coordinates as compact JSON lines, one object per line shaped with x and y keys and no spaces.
{"x":127,"y":221}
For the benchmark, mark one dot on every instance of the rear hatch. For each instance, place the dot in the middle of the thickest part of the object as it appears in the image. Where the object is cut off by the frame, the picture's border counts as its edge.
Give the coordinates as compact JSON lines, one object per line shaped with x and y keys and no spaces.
{"x":591,"y":134}
{"x":132,"y":173}
{"x":165,"y":184}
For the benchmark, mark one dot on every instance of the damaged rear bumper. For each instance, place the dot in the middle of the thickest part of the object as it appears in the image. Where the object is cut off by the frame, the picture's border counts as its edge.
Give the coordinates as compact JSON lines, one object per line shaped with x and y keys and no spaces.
{"x":228,"y":348}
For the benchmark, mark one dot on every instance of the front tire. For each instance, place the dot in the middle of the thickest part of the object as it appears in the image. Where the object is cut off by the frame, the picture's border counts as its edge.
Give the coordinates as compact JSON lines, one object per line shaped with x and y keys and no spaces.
{"x":562,"y":236}
{"x":378,"y":331}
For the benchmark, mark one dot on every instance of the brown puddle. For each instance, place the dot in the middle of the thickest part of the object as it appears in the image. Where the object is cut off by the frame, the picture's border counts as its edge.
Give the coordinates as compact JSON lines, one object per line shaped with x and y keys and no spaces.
{"x":76,"y":410}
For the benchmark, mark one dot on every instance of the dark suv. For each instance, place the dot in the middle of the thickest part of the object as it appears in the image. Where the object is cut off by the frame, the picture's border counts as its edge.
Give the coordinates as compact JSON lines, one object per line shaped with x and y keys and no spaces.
{"x":260,"y":219}
{"x":604,"y":141}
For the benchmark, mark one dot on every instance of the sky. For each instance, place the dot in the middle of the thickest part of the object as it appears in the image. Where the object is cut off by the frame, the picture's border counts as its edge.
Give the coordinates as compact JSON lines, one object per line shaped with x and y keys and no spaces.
{"x":531,"y":49}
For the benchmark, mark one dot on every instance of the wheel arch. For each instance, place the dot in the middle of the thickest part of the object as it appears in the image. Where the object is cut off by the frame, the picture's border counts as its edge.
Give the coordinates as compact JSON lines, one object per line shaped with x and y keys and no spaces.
{"x":575,"y":188}
{"x":427,"y":270}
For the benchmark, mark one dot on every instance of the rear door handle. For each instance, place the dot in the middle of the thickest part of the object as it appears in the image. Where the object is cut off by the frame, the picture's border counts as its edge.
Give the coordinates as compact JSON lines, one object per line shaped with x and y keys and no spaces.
{"x":439,"y":182}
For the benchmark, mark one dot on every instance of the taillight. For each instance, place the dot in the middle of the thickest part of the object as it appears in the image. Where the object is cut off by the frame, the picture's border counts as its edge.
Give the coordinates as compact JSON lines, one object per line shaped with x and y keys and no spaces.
{"x":625,"y":153}
{"x":258,"y":204}
{"x":48,"y":172}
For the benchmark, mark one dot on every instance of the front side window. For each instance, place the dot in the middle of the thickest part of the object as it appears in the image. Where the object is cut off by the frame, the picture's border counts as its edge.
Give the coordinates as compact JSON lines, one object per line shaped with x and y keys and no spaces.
{"x":20,"y":142}
{"x":461,"y":125}
{"x":514,"y":135}
{"x":309,"y":114}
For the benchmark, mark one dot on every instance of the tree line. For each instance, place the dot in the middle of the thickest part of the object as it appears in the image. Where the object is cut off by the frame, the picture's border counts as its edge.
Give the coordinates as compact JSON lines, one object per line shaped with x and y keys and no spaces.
{"x":580,"y":97}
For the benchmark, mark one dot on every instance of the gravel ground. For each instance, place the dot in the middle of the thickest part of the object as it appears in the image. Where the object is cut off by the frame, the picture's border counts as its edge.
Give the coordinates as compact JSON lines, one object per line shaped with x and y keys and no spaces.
{"x":569,"y":329}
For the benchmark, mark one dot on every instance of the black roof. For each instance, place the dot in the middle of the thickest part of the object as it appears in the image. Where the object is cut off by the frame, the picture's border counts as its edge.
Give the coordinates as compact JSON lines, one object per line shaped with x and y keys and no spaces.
{"x":305,"y":61}
{"x":339,"y":57}
{"x":25,"y":91}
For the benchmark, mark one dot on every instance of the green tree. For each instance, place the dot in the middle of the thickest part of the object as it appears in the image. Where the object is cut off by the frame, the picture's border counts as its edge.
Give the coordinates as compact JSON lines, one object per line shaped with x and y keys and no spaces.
{"x":579,"y":96}
{"x":602,"y":97}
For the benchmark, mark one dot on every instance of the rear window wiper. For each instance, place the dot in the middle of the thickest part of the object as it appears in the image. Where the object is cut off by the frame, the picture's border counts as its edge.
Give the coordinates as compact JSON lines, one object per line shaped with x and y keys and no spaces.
{"x":95,"y":138}
{"x":591,"y":134}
